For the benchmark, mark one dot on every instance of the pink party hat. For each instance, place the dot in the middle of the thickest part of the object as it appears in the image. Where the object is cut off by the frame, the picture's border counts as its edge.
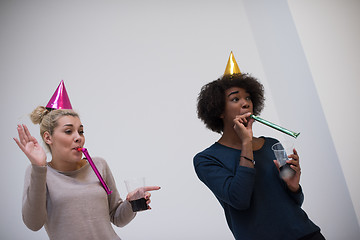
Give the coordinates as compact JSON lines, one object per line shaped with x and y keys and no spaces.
{"x":60,"y":99}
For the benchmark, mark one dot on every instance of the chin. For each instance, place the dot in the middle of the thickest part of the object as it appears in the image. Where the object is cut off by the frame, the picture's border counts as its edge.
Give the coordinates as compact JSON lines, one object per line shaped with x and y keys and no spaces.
{"x":77,"y":158}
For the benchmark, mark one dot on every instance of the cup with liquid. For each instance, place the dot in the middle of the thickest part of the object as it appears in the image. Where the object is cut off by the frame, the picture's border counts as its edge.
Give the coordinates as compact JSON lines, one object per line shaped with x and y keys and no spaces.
{"x":281,"y":156}
{"x":135,"y":188}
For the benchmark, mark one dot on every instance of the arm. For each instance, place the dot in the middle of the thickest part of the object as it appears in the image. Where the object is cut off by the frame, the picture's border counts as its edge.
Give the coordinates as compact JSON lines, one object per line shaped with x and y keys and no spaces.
{"x":297,"y":196}
{"x":234,"y":189}
{"x":34,"y":197}
{"x":243,"y":128}
{"x":292,"y":184}
{"x":120,"y":211}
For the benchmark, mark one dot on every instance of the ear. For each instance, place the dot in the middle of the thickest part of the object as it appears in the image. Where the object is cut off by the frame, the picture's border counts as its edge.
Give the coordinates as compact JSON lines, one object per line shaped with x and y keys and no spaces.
{"x":47,"y":138}
{"x":222,"y":116}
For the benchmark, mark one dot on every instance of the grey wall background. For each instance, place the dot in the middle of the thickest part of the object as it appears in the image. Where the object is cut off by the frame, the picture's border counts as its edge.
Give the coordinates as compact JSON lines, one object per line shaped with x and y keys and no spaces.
{"x":133,"y":70}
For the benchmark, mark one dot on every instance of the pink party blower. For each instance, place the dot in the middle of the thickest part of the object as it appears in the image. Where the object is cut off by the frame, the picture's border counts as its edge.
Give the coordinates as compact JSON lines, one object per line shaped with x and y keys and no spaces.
{"x":85,"y":152}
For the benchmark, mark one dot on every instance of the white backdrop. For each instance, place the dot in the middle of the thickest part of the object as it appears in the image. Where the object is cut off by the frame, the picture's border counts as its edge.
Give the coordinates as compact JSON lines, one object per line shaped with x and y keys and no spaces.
{"x":133,"y":70}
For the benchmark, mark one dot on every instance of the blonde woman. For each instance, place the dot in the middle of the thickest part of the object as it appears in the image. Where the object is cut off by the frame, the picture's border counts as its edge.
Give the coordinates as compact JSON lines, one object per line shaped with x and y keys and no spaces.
{"x":64,"y":195}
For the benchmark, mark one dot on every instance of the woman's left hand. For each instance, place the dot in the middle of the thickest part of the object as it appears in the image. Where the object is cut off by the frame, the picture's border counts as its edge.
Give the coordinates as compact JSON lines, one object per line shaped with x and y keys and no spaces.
{"x":142,"y":193}
{"x":293,"y":181}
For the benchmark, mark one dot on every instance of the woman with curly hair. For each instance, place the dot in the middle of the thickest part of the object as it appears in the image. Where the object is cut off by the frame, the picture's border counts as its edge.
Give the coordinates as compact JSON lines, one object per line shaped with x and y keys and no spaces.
{"x":239,"y":168}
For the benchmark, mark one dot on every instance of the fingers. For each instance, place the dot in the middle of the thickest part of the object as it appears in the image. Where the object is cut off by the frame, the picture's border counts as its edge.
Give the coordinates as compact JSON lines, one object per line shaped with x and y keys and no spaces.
{"x":21,"y":142}
{"x":250,"y":123}
{"x":18,"y":143}
{"x":147,"y":197}
{"x":151,"y":188}
{"x":294,"y":161}
{"x":27,"y":133}
{"x":24,"y":134}
{"x":277,"y":164}
{"x":294,"y":165}
{"x":21,"y":135}
{"x":242,"y":118}
{"x":142,"y":192}
{"x":295,"y":155}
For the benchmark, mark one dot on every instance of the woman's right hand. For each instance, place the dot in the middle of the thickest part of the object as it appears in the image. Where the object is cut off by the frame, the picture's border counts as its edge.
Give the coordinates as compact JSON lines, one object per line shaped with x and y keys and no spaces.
{"x":243,"y":127}
{"x":30,"y":146}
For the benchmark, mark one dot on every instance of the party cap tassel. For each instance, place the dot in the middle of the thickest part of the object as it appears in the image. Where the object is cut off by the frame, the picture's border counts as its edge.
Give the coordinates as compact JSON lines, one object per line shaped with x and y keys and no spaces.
{"x":60,"y":99}
{"x":231,"y":67}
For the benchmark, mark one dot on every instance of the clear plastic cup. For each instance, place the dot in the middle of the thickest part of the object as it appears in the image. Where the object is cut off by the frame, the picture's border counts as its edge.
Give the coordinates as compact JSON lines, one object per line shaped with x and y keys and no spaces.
{"x":135,"y":188}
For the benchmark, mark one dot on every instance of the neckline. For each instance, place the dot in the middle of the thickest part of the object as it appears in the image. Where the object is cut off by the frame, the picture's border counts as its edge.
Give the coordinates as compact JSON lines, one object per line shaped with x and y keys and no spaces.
{"x":69,"y":172}
{"x":217,"y":143}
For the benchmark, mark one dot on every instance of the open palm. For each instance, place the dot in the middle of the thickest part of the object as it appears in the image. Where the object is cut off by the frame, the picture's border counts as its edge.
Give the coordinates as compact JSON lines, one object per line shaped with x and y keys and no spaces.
{"x":30,"y":146}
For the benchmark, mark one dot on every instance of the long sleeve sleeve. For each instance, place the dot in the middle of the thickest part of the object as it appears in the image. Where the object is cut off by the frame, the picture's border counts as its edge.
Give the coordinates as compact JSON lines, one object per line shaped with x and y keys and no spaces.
{"x":120,"y":211}
{"x":34,"y":197}
{"x":298,"y":196}
{"x":234,"y":189}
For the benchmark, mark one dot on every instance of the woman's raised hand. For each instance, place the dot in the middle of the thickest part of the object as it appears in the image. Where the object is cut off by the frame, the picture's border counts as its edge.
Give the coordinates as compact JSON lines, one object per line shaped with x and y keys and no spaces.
{"x":243,"y":126}
{"x":30,"y":146}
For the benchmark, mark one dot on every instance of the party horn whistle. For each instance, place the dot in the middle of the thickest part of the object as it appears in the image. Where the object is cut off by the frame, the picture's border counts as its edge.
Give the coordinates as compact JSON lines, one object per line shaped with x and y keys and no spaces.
{"x":277,"y":127}
{"x":86,"y":153}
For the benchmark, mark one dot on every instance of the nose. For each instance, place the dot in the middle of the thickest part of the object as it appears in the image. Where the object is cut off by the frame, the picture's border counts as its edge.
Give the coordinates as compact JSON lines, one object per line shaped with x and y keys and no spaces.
{"x":77,"y":138}
{"x":244,"y":104}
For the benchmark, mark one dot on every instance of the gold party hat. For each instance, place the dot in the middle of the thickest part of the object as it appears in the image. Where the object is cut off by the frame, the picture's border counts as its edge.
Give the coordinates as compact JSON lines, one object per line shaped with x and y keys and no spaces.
{"x":231,"y":67}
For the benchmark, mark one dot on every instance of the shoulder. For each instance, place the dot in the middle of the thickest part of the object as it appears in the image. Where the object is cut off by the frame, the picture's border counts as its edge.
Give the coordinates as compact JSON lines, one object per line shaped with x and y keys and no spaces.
{"x":100,"y":162}
{"x":213,"y":155}
{"x":212,"y":150}
{"x":269,"y":140}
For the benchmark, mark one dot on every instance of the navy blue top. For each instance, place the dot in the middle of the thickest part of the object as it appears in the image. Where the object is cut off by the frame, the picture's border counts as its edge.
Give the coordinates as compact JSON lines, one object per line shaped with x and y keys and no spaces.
{"x":257,"y":203}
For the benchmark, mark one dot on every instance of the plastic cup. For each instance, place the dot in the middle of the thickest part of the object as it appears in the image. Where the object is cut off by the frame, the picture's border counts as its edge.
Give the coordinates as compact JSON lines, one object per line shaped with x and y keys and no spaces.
{"x":135,"y":188}
{"x":281,"y":156}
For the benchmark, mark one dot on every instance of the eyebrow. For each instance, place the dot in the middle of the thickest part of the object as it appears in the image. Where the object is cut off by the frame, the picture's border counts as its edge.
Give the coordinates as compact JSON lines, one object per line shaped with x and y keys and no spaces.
{"x":235,"y":92}
{"x":71,"y":125}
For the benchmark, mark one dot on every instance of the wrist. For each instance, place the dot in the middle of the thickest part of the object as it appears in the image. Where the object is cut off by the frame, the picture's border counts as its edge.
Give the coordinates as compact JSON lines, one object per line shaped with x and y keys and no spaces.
{"x":295,"y":189}
{"x":246,"y":145}
{"x":248,"y":159}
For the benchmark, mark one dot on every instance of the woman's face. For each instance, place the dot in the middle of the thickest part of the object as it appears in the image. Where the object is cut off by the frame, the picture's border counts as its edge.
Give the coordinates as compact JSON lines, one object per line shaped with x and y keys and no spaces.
{"x":66,"y":138}
{"x":237,"y":102}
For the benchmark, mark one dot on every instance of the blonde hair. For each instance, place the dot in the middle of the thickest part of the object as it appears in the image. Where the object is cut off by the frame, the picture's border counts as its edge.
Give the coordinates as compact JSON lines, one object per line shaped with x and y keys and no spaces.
{"x":47,"y":118}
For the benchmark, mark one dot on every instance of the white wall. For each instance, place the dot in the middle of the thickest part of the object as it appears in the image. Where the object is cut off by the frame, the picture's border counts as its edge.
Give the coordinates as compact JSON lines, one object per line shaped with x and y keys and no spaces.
{"x":298,"y":104}
{"x":133,"y":70}
{"x":331,"y":45}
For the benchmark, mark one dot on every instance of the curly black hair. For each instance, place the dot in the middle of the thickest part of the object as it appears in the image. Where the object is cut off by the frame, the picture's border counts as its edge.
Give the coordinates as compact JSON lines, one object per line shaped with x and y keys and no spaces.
{"x":211,"y":99}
